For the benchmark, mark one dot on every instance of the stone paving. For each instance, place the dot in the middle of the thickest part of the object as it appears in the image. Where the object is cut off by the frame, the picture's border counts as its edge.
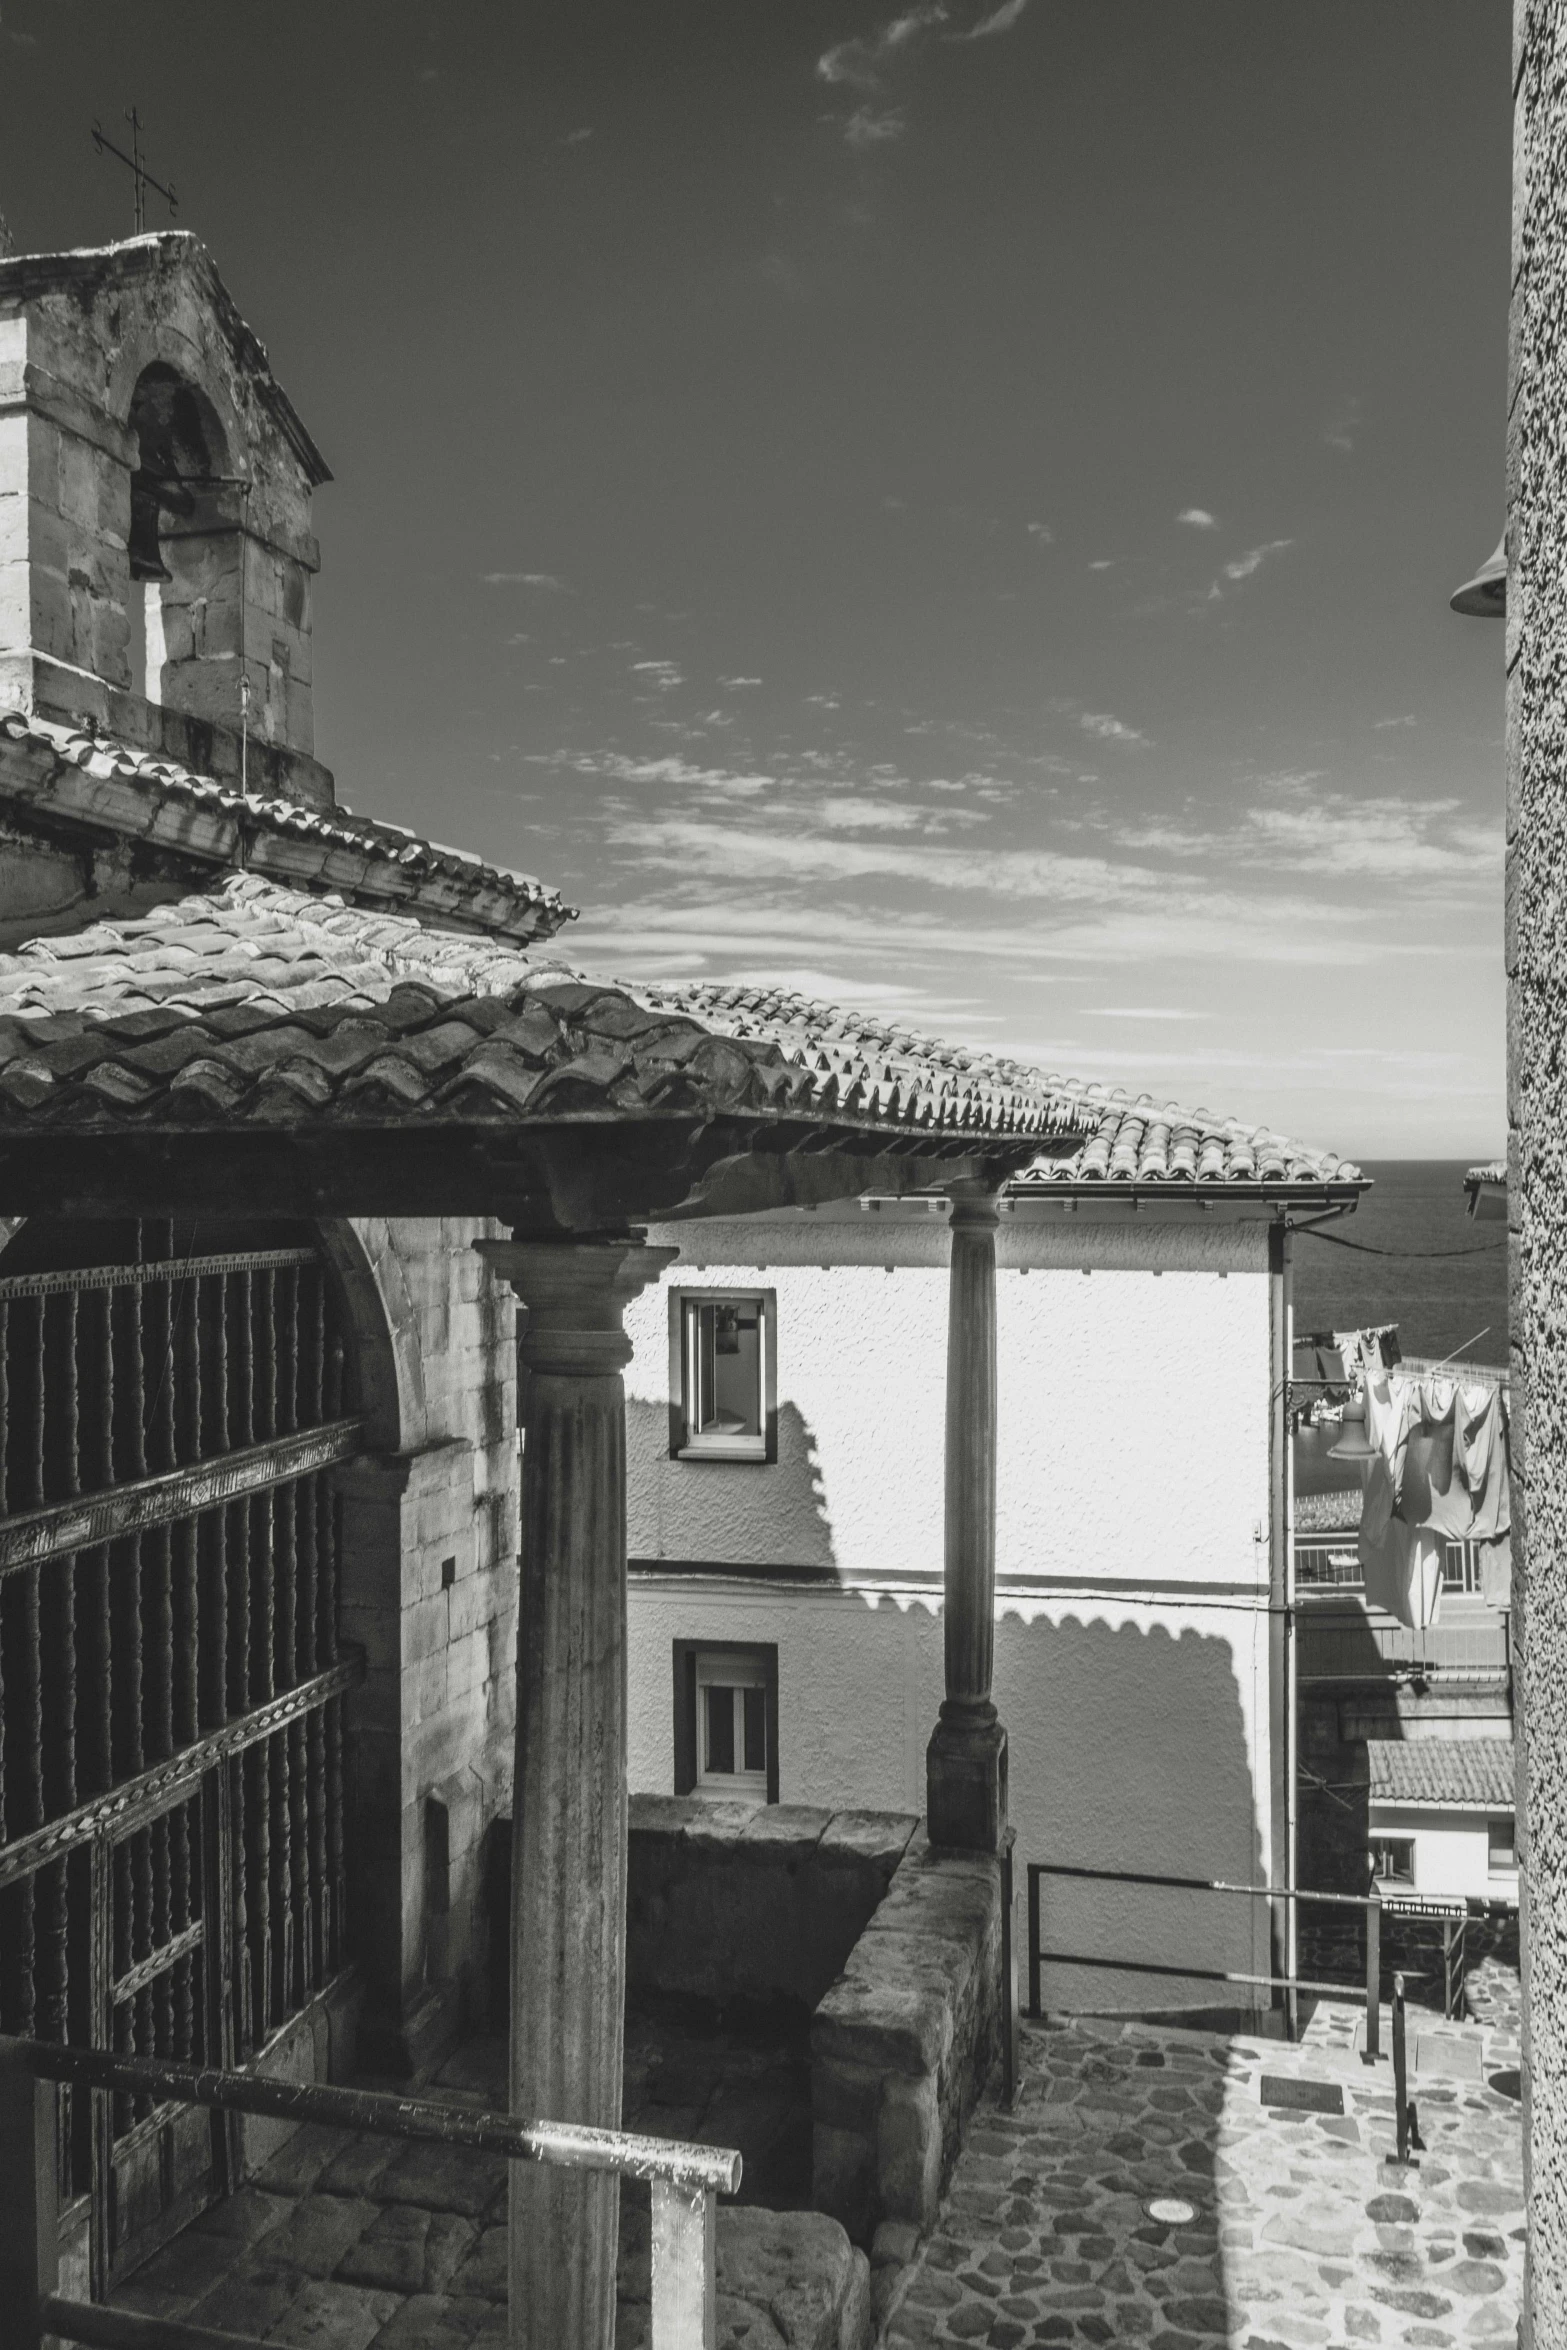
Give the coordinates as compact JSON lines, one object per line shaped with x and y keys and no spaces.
{"x":1303,"y":2233}
{"x":356,"y":2242}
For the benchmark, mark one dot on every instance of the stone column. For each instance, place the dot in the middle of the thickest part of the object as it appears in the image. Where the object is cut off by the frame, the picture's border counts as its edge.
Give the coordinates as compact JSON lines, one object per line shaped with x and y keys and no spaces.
{"x":966,"y":1761}
{"x":568,"y":1934}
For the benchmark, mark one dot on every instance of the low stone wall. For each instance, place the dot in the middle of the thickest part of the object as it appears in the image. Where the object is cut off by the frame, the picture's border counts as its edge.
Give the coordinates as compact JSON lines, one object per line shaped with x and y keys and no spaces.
{"x":903,"y":2042}
{"x":725,"y":1901}
{"x":787,"y":2280}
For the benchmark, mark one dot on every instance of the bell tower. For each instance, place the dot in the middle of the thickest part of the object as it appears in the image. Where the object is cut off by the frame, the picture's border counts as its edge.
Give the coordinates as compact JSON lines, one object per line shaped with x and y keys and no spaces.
{"x":157,"y":561}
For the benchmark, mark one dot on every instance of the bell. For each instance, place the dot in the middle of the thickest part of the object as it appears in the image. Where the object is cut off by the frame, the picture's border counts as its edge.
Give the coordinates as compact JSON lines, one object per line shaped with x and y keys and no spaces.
{"x":1485,"y":596}
{"x":146,"y":556}
{"x":1353,"y":1443}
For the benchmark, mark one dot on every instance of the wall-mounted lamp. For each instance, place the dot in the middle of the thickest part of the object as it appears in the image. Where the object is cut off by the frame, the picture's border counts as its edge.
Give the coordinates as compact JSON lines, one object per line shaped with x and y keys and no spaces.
{"x":1485,"y":596}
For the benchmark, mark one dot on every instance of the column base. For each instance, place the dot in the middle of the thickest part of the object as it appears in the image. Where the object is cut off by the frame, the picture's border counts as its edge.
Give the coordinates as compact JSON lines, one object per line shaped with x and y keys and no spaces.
{"x":966,"y":1782}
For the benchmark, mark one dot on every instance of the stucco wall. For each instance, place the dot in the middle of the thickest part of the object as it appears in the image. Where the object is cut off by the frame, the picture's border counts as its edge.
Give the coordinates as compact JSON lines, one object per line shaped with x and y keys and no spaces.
{"x":1132,"y":1640}
{"x":1537,"y":1106}
{"x":1452,"y":1850}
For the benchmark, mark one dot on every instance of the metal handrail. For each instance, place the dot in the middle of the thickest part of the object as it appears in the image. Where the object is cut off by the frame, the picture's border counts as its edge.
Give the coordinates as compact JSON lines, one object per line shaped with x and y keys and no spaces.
{"x":1371,"y":1903}
{"x":566,"y":2145}
{"x":684,"y":2179}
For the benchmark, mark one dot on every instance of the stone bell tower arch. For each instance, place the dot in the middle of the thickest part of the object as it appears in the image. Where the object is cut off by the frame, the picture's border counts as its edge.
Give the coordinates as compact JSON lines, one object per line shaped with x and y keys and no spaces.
{"x":156,"y":545}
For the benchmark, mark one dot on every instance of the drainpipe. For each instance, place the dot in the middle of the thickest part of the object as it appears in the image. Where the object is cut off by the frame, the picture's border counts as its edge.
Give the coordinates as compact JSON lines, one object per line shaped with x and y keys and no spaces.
{"x":1281,"y":1578}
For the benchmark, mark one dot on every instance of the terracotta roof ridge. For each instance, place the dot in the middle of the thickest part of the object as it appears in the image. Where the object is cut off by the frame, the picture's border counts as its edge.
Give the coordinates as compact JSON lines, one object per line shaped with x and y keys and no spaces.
{"x":145,"y":795}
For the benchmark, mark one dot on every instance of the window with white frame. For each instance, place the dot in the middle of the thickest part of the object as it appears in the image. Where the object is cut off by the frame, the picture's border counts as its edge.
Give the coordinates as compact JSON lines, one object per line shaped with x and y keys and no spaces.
{"x":1393,"y":1859}
{"x":1501,"y":1837}
{"x":722,"y":1376}
{"x":726,"y":1720}
{"x":731,"y":1724}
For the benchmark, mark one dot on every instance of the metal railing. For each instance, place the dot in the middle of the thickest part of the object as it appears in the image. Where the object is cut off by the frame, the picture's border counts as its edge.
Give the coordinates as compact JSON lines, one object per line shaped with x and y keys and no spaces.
{"x":684,"y":2180}
{"x":1372,"y":1904}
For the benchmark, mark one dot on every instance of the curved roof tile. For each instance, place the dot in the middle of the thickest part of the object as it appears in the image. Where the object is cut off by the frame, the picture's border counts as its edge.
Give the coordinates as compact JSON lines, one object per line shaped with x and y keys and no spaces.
{"x":257,"y":1003}
{"x":98,"y":780}
{"x":1126,"y":1139}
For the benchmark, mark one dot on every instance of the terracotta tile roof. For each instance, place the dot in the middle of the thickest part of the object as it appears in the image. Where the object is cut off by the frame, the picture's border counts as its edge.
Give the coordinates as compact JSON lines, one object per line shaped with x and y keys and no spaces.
{"x":1494,"y":1171}
{"x":1126,"y":1139}
{"x":257,"y":1005}
{"x":1465,"y":1773}
{"x":1137,"y":1139}
{"x":1329,"y":1513}
{"x":97,"y":781}
{"x":884,"y":1062}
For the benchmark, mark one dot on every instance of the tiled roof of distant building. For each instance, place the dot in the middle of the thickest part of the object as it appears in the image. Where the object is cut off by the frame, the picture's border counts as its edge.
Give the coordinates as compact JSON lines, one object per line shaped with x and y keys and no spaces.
{"x":1454,"y":1773}
{"x":1125,"y":1139}
{"x":1494,"y":1171}
{"x":1329,"y":1513}
{"x":95,"y":780}
{"x":258,"y":1005}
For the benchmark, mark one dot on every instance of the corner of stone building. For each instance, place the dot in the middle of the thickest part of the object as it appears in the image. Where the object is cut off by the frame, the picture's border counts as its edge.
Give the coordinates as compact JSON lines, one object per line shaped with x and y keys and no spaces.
{"x":429,"y":1591}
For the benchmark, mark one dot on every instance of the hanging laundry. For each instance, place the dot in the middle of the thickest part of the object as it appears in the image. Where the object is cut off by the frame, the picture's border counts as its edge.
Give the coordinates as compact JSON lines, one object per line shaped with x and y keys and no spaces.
{"x":1440,"y":1475}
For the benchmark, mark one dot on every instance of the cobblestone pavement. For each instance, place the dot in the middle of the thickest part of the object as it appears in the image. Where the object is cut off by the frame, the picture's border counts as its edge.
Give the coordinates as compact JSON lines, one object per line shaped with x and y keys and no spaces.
{"x":1302,"y":2231}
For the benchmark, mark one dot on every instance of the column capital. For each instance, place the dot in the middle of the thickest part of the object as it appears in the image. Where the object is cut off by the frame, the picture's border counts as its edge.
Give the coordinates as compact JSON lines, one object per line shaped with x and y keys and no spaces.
{"x":975,"y":1208}
{"x":576,"y":1293}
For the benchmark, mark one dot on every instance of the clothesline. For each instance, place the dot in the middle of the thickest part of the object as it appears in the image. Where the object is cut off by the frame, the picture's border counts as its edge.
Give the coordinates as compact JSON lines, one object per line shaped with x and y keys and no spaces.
{"x":1365,"y":1249}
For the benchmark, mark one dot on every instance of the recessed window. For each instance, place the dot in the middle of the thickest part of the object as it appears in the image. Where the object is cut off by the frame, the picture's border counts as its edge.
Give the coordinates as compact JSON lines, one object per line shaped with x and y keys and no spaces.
{"x":1501,"y":1838}
{"x":731,"y":1725}
{"x":722,"y":1374}
{"x":1393,"y":1859}
{"x":726,"y":1721}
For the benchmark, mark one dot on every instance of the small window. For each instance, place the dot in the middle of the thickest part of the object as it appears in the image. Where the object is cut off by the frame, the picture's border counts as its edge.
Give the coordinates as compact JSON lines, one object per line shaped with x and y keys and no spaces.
{"x":1501,"y":1844}
{"x":1393,"y":1860}
{"x":722,"y":1375}
{"x":1460,"y":1567}
{"x":726,"y":1721}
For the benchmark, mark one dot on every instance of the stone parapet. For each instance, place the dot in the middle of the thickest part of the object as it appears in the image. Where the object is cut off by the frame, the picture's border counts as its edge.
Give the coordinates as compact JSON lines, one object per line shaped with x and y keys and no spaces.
{"x":729,"y":1901}
{"x":903,"y":2042}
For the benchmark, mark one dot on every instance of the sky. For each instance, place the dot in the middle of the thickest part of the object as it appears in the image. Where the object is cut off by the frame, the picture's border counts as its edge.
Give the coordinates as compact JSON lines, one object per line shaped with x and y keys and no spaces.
{"x":949,"y":507}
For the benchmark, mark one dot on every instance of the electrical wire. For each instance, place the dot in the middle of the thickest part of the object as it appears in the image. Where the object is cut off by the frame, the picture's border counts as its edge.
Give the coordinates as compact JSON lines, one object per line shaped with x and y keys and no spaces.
{"x":1364,"y":1248}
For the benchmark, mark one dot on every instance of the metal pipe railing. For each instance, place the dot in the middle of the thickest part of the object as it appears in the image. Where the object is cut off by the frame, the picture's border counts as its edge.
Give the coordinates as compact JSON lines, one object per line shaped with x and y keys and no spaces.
{"x":684,"y":2179}
{"x":1371,"y":1903}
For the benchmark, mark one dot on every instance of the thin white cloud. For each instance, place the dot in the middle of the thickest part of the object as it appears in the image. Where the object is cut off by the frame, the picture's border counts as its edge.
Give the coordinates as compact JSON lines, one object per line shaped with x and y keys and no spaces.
{"x":1139,"y":1012}
{"x":1108,"y":729}
{"x":1380,"y":725}
{"x":1041,"y":532}
{"x":575,"y":138}
{"x":1001,"y":20}
{"x":734,"y":684}
{"x":870,"y":126}
{"x":862,"y":62}
{"x":1342,"y":429}
{"x":1253,"y":560}
{"x":533,"y":579}
{"x":1198,"y":518}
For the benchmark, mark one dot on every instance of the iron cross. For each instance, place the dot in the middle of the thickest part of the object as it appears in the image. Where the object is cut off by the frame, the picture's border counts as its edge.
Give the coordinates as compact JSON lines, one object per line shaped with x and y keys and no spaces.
{"x":140,"y":175}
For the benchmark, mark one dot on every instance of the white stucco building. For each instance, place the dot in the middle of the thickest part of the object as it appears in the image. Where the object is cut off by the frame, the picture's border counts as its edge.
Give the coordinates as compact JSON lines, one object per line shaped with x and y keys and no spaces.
{"x":1441,"y":1819}
{"x":1141,"y":1539}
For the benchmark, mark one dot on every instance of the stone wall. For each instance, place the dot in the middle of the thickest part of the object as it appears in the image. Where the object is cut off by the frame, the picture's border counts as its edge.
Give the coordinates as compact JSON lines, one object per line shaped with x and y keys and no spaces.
{"x":896,"y":1947}
{"x":1537,"y":1106}
{"x":429,"y":1590}
{"x":903,"y":2043}
{"x":727,"y":1901}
